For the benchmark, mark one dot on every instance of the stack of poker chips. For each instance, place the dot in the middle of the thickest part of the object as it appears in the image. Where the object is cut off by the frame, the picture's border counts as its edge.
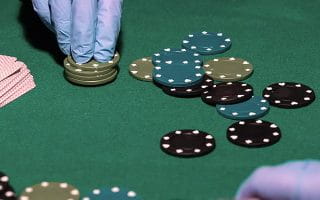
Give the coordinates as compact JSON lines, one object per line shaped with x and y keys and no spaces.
{"x":15,"y":79}
{"x":6,"y":190}
{"x":92,"y":73}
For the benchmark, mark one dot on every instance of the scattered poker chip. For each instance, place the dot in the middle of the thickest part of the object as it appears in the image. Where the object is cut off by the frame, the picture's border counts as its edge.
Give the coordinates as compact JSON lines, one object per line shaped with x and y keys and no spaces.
{"x":8,"y":194}
{"x":253,"y":108}
{"x":142,"y":69}
{"x":51,"y":191}
{"x":253,"y":133}
{"x":187,"y":143}
{"x":207,"y":43}
{"x":176,"y":56}
{"x":114,"y":193}
{"x":178,"y":75}
{"x":289,"y":95}
{"x":228,"y":69}
{"x":227,"y":93}
{"x":192,"y":91}
{"x":94,"y":65}
{"x":4,"y":182}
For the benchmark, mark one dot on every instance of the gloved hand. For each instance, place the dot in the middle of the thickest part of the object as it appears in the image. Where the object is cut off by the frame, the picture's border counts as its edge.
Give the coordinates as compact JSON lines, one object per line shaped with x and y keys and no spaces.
{"x":298,"y":180}
{"x":84,"y":28}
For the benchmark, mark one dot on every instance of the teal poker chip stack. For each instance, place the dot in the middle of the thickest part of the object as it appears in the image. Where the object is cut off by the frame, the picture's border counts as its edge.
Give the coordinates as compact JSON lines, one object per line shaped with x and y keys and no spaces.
{"x":177,"y":68}
{"x":207,"y":43}
{"x":253,"y":108}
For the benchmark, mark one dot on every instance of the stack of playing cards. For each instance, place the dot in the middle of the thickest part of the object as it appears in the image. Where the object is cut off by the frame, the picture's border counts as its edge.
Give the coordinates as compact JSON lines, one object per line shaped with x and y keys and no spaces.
{"x":15,"y":79}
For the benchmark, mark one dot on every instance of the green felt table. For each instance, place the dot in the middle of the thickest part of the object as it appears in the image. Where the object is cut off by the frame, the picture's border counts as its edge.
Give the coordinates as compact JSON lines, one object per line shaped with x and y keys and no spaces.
{"x":110,"y":135}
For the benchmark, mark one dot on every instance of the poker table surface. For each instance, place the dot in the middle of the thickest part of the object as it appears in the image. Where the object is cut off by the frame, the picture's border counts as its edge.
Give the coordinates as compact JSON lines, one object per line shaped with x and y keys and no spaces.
{"x":109,"y":135}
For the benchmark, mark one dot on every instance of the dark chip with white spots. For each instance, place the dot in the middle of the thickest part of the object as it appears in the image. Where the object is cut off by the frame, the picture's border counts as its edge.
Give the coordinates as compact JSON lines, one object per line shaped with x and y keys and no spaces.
{"x":192,"y":91}
{"x":4,"y":182}
{"x":6,"y":191}
{"x":187,"y":143}
{"x":9,"y":194}
{"x":227,"y":93}
{"x":289,"y":95}
{"x":253,"y":133}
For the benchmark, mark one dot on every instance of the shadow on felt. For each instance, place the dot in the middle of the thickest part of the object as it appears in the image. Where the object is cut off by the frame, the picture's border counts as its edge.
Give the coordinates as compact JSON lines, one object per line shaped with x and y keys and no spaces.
{"x":36,"y":33}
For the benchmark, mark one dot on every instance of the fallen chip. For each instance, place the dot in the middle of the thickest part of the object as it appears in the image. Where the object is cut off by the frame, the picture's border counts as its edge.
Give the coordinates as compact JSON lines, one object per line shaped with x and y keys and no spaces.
{"x":253,"y":133}
{"x":176,"y":56}
{"x":51,"y":191}
{"x":289,"y":95}
{"x":227,"y":93}
{"x":187,"y":143}
{"x":253,"y":108}
{"x":141,"y":69}
{"x":207,"y":43}
{"x":114,"y":193}
{"x":228,"y":69}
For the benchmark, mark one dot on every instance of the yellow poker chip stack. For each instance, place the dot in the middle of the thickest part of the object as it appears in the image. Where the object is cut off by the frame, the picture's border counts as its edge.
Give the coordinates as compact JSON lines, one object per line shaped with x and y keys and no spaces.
{"x":92,"y":73}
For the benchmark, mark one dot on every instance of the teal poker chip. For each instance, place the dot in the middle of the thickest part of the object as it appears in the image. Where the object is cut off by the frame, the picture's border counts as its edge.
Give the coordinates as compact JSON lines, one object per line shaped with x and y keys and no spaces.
{"x":176,"y":56}
{"x":207,"y":43}
{"x":114,"y":193}
{"x":253,"y":108}
{"x":177,"y":75}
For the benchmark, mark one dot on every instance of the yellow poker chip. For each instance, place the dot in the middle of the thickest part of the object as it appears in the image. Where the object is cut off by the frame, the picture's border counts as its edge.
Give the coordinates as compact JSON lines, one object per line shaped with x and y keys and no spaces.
{"x":141,"y":69}
{"x":94,"y":65}
{"x":51,"y":191}
{"x":228,"y":69}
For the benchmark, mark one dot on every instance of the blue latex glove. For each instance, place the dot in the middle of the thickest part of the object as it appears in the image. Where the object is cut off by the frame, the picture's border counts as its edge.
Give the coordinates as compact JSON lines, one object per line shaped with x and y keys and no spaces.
{"x":84,"y":28}
{"x":298,"y":180}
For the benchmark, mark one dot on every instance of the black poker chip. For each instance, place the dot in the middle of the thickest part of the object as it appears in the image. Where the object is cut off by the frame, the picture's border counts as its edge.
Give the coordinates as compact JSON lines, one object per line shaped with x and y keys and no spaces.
{"x":187,"y":143}
{"x":227,"y":93}
{"x":254,"y":133}
{"x":8,"y":194}
{"x":289,"y":95}
{"x":4,"y":182}
{"x":192,"y":91}
{"x":6,"y":190}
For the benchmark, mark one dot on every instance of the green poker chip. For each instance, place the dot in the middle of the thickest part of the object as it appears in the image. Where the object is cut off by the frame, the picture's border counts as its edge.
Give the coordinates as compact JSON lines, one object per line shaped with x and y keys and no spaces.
{"x":207,"y":43}
{"x":172,"y":75}
{"x":176,"y":56}
{"x":254,"y":108}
